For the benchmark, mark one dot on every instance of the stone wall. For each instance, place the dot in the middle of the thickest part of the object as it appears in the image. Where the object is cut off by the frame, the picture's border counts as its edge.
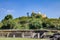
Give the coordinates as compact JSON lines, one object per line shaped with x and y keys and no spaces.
{"x":26,"y":33}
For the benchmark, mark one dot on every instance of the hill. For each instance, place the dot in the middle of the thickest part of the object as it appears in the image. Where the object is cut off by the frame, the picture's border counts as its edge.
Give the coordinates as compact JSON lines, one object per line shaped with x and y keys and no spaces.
{"x":33,"y":21}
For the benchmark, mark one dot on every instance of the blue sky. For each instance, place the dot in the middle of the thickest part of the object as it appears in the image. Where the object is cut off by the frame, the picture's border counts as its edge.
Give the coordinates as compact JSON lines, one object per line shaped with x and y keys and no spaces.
{"x":20,"y":7}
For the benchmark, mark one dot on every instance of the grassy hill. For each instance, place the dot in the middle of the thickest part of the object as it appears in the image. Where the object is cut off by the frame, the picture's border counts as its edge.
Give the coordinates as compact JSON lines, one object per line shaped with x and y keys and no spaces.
{"x":33,"y":21}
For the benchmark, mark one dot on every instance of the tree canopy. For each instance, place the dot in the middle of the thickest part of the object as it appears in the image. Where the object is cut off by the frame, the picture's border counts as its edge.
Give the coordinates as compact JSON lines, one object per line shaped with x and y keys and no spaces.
{"x":33,"y":21}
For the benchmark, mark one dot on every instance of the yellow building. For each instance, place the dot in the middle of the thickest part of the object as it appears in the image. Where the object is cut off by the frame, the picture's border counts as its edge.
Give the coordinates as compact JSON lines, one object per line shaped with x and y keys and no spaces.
{"x":43,"y":15}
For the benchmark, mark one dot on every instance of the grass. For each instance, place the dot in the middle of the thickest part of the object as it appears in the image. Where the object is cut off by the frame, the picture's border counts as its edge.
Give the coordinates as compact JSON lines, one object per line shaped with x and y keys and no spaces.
{"x":20,"y":39}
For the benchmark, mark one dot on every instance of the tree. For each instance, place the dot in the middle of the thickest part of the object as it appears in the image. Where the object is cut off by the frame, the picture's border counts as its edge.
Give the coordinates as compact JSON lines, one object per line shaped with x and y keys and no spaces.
{"x":7,"y":17}
{"x":8,"y":22}
{"x":35,"y":25}
{"x":59,"y":17}
{"x":33,"y":14}
{"x":28,"y":14}
{"x":44,"y":24}
{"x":38,"y":16}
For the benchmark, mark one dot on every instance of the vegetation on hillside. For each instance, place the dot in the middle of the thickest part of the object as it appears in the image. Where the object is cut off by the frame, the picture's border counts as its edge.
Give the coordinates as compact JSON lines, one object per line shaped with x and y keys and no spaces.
{"x":33,"y":21}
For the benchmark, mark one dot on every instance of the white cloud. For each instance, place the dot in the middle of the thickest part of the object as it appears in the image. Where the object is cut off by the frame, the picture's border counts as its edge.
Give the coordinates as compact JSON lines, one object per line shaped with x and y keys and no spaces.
{"x":6,"y":11}
{"x":9,"y":11}
{"x":2,"y":10}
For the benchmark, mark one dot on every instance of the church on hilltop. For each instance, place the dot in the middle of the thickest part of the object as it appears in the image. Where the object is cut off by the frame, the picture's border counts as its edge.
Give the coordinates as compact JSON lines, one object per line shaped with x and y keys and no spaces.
{"x":43,"y":15}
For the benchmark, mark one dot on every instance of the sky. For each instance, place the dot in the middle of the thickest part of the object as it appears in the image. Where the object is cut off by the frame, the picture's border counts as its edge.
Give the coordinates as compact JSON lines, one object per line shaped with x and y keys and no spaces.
{"x":20,"y":8}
